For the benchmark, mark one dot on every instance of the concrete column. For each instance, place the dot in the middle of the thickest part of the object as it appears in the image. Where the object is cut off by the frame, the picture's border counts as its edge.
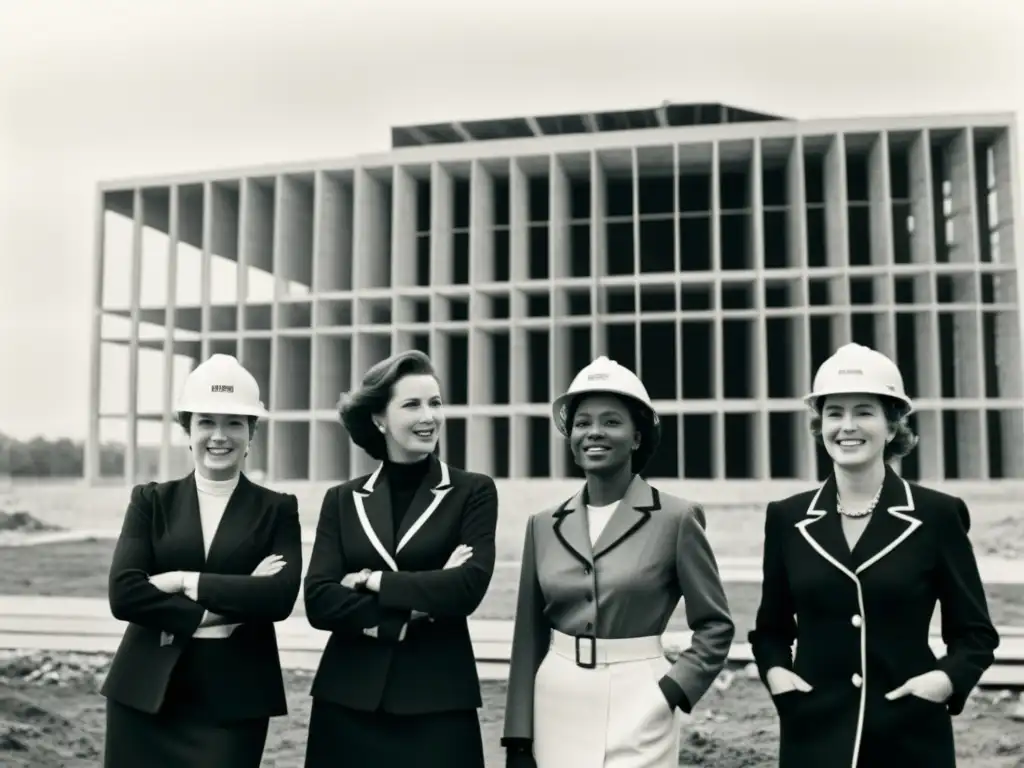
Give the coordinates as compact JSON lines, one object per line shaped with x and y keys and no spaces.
{"x":1010,"y":289}
{"x":519,"y":436}
{"x":558,"y":348}
{"x":205,"y":271}
{"x":803,"y":451}
{"x":170,"y":326}
{"x":479,"y":428}
{"x":403,"y":228}
{"x":717,"y":446}
{"x":132,"y":444}
{"x":922,"y":248}
{"x":882,"y":248}
{"x":837,"y":236}
{"x":598,"y":253}
{"x":969,"y":360}
{"x":91,"y":454}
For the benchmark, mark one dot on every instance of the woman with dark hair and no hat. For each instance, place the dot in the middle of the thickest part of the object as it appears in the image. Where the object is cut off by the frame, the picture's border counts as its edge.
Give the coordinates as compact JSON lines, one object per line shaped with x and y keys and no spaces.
{"x":852,"y":574}
{"x":589,"y":685}
{"x":401,"y":558}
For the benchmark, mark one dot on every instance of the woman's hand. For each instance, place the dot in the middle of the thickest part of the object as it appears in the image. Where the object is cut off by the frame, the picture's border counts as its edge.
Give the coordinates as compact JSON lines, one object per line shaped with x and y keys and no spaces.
{"x":781,"y":680}
{"x":934,"y":686}
{"x":460,"y":556}
{"x":355,"y":580}
{"x":269,"y":566}
{"x":170,"y":582}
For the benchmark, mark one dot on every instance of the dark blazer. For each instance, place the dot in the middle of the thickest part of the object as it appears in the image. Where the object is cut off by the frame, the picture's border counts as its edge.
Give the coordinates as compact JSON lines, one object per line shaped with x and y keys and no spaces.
{"x":433,"y":669}
{"x":653,"y":551}
{"x":237,"y":677}
{"x":861,"y":620}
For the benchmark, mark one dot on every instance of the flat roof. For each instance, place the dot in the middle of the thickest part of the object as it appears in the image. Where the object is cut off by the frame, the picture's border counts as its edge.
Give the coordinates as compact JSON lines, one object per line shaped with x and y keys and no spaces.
{"x":666,"y":115}
{"x":986,"y":126}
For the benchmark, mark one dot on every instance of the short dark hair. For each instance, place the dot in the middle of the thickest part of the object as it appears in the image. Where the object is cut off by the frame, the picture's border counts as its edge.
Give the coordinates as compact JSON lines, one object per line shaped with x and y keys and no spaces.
{"x":184,"y":419}
{"x":643,"y":419}
{"x":357,"y":408}
{"x":896,"y":414}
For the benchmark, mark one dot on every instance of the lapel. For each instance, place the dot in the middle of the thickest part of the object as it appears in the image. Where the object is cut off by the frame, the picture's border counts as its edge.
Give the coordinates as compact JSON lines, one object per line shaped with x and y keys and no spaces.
{"x":892,"y":522}
{"x":185,"y":507}
{"x":373,"y":507}
{"x":572,"y":530}
{"x":240,"y":515}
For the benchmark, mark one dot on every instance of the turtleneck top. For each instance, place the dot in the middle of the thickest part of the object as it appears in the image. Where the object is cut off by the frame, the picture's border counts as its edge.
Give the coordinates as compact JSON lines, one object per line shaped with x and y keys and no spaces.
{"x":213,"y":500}
{"x":403,"y":482}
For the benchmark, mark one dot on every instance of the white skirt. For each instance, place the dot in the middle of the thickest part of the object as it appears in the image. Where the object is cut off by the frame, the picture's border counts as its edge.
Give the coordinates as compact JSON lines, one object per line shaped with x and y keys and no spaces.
{"x":611,"y":716}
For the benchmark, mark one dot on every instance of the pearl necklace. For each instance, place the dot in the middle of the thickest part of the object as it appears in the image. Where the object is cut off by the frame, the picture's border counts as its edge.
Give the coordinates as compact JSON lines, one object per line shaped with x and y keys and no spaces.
{"x":864,"y":512}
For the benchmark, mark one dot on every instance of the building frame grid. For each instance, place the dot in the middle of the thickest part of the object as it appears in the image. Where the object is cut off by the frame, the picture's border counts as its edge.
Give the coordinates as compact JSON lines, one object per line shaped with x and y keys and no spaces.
{"x":405,"y":250}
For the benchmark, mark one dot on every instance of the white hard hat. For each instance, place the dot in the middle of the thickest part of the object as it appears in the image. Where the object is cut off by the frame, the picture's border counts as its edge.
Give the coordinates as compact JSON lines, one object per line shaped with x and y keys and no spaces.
{"x":856,"y":369}
{"x":221,"y":385}
{"x":602,"y":375}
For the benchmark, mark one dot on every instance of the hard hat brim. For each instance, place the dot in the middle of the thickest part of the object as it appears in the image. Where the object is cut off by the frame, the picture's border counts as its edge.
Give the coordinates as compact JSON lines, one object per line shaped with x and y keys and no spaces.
{"x":564,"y":401}
{"x":199,"y":406}
{"x":811,"y":399}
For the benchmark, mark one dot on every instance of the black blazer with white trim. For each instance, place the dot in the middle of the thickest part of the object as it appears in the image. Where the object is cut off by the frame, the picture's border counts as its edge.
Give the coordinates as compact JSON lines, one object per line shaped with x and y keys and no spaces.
{"x":365,"y":665}
{"x":234,"y":678}
{"x":860,"y":620}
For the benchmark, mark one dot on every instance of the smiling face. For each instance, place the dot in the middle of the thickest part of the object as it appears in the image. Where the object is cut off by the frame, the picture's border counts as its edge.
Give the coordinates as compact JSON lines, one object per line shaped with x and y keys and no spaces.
{"x":413,"y":418}
{"x":603,"y":435}
{"x":219,"y":443}
{"x":855,"y":430}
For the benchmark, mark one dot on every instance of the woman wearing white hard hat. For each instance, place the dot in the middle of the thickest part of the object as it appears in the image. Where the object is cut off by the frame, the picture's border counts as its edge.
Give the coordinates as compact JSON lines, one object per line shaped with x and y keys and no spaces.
{"x":853,"y":571}
{"x":402,"y":557}
{"x":202,"y":569}
{"x":589,"y":684}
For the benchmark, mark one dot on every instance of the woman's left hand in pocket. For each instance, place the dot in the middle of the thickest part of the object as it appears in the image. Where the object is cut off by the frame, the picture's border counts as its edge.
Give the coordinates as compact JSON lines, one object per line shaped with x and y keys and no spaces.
{"x":934,"y":686}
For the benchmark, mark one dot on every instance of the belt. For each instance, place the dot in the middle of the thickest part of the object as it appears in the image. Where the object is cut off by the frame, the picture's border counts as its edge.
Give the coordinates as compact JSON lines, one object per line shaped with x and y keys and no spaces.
{"x":589,"y":652}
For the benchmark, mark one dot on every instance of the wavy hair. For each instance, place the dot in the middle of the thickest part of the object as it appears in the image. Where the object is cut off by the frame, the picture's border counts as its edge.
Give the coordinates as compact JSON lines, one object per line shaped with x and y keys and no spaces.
{"x":358,"y":407}
{"x":896,"y":414}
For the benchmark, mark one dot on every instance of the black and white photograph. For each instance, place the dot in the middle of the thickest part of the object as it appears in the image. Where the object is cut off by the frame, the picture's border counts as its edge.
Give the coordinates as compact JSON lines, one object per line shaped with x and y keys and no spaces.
{"x":535,"y":385}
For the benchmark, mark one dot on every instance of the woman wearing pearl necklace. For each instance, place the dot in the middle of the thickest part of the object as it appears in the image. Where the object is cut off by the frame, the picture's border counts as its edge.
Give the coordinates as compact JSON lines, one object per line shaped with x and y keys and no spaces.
{"x":853,"y":571}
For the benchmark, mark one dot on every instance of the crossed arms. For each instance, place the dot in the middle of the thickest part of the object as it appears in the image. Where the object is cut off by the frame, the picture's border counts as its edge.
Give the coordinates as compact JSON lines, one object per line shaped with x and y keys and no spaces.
{"x":382,"y":604}
{"x":178,"y":603}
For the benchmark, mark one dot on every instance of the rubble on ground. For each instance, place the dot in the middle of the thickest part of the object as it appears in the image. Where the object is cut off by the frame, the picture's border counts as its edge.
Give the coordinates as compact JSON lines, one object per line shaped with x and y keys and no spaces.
{"x":53,"y":669}
{"x":33,"y":734}
{"x":23,"y":522}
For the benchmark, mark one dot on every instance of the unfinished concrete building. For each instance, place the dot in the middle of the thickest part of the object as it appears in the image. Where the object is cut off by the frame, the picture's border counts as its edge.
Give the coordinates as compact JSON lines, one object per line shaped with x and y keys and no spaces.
{"x":722,"y":254}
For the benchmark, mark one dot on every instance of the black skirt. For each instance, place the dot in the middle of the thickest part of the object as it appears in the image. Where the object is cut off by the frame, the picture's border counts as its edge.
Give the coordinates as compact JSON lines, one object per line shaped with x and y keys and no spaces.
{"x":135,"y":739}
{"x":340,"y":737}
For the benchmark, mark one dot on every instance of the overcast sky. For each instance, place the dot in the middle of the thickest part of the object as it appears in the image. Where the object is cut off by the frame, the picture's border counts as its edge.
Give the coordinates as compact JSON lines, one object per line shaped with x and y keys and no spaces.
{"x":98,"y":89}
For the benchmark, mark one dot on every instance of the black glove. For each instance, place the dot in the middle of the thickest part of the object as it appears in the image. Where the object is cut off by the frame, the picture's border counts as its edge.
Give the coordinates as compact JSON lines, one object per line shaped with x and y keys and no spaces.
{"x":518,"y":753}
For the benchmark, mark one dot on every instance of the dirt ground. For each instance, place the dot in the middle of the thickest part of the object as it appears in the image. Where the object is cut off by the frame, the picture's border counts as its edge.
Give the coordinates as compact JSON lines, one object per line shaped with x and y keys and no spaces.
{"x":54,"y":719}
{"x":79,"y":569}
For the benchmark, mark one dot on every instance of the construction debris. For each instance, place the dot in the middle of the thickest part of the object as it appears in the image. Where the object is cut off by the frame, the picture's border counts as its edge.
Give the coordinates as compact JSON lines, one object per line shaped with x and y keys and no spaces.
{"x":23,"y":522}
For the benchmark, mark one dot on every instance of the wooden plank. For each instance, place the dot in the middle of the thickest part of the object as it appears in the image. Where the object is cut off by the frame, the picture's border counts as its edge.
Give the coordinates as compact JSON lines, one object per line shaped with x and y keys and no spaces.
{"x":1001,"y":675}
{"x":492,"y":641}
